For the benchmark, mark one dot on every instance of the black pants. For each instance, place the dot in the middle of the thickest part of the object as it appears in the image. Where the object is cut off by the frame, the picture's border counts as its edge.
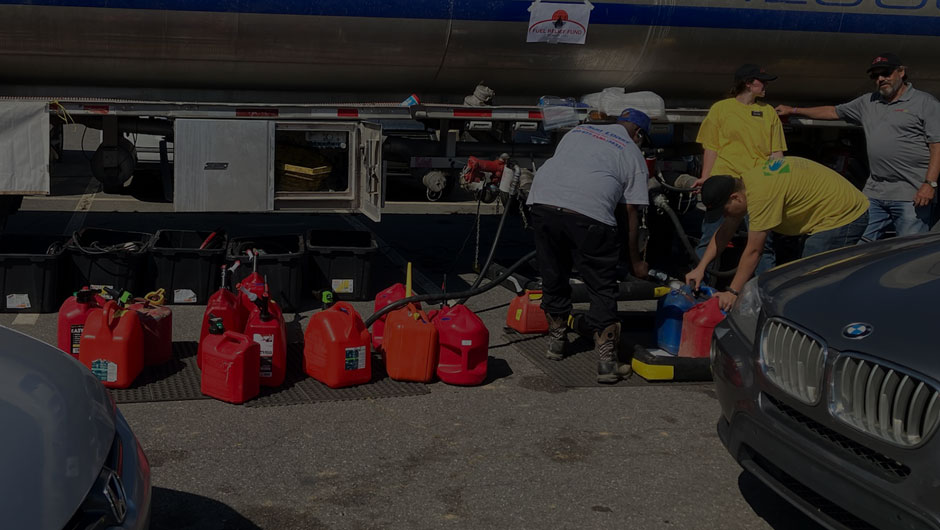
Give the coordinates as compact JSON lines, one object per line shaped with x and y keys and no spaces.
{"x":565,"y":239}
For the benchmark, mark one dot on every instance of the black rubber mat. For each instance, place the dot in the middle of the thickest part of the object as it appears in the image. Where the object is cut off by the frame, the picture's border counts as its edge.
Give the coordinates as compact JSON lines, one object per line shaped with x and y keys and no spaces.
{"x":579,"y":367}
{"x":299,"y":389}
{"x":178,"y":380}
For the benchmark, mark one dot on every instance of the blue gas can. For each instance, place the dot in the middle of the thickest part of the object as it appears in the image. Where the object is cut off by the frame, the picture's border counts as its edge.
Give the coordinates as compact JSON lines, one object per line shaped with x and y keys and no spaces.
{"x":669,"y":312}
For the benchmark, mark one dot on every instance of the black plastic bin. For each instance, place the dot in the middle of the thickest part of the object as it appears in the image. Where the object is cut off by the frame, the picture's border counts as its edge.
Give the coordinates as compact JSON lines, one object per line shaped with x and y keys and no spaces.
{"x":341,"y":260}
{"x":281,"y":262}
{"x":30,"y":273}
{"x":189,"y":274}
{"x":113,"y":258}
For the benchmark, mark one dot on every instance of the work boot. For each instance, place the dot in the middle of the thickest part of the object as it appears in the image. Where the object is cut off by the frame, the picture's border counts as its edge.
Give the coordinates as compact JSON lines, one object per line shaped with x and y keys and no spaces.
{"x":557,"y":336}
{"x":609,"y":367}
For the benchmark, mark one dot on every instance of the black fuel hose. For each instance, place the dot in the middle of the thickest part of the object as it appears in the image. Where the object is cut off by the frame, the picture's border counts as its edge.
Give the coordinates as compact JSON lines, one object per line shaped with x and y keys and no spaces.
{"x":663,"y":204}
{"x":444,"y":296}
{"x":489,"y":258}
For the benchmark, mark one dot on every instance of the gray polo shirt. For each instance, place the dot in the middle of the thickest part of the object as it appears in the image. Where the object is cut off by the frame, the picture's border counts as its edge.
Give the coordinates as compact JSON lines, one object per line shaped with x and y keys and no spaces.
{"x":897,"y":134}
{"x":594,"y":168}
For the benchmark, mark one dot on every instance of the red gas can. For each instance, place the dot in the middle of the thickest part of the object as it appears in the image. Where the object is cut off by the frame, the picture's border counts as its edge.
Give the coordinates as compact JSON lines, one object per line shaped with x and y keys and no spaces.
{"x":336,"y":347}
{"x":411,"y":345}
{"x":72,"y":316}
{"x":112,"y":345}
{"x":255,"y":285}
{"x":157,"y":324}
{"x":525,"y":313}
{"x":464,"y":342}
{"x":266,"y":327}
{"x":698,"y":325}
{"x":225,"y":305}
{"x":230,"y":363}
{"x":383,"y":299}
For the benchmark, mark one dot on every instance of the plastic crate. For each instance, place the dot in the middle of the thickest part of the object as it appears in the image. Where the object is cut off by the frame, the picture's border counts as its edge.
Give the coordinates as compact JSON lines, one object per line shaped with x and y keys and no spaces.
{"x":188,"y":274}
{"x":30,"y":273}
{"x":341,"y":260}
{"x":281,"y":263}
{"x":112,"y":258}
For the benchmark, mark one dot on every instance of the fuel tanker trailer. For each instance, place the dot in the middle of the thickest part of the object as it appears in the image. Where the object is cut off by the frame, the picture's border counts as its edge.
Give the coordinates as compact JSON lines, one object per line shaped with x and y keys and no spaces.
{"x":328,"y":76}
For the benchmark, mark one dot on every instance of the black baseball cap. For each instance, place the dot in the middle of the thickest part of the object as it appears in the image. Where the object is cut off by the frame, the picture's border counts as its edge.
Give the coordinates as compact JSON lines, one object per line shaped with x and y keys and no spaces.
{"x":885,"y":60}
{"x":752,"y":71}
{"x":715,"y":194}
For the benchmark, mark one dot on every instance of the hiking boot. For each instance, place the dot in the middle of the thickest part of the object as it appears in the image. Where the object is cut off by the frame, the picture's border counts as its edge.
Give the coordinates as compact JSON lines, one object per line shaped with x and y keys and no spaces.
{"x":557,"y":336}
{"x":609,"y":367}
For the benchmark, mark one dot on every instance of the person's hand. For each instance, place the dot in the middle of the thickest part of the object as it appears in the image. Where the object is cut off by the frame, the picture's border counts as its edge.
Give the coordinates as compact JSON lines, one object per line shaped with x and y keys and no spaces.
{"x":698,"y":183}
{"x":726,"y":300}
{"x":695,"y":277}
{"x":784,"y":110}
{"x":924,"y":195}
{"x":641,"y":269}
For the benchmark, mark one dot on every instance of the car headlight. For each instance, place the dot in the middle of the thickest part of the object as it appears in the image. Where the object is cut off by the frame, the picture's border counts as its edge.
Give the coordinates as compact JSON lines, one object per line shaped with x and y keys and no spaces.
{"x":746,"y":311}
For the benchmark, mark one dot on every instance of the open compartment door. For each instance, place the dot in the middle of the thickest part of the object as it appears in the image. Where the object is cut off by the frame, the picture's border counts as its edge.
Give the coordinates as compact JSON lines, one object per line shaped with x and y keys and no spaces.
{"x":371,"y":175}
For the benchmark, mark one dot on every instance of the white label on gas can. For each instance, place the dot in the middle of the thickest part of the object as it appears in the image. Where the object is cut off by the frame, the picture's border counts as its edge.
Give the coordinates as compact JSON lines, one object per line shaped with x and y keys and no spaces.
{"x":266,"y":342}
{"x":18,"y":301}
{"x":184,"y":296}
{"x":355,"y":358}
{"x":466,"y":343}
{"x":342,"y":286}
{"x":105,"y":370}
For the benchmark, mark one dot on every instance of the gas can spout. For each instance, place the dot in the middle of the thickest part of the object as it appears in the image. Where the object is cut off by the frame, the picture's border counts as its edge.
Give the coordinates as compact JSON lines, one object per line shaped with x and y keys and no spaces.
{"x":261,"y":302}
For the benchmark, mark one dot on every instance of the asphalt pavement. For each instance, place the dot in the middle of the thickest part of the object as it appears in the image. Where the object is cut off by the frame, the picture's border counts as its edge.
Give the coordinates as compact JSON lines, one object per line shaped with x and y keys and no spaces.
{"x":519,"y":451}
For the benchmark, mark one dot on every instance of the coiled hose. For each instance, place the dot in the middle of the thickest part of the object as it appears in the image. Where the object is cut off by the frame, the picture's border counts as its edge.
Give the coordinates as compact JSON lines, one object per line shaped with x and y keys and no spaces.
{"x":662,"y":203}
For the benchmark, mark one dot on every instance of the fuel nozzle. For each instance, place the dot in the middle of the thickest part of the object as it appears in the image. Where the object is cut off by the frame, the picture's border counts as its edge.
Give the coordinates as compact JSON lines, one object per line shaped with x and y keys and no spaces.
{"x":216,"y":326}
{"x":261,"y":302}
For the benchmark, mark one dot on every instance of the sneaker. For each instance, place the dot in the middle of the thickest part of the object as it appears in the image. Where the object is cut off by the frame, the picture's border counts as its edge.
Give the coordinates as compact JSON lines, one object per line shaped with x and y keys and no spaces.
{"x":609,"y":368}
{"x":557,"y":336}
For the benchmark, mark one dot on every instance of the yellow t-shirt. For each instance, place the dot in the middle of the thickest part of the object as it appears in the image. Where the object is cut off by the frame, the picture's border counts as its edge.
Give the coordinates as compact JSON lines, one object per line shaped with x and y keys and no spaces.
{"x":795,"y":196}
{"x":743,"y":135}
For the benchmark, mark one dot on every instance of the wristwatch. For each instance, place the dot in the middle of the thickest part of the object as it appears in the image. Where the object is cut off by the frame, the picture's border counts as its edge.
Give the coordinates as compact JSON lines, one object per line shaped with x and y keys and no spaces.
{"x":932,"y":183}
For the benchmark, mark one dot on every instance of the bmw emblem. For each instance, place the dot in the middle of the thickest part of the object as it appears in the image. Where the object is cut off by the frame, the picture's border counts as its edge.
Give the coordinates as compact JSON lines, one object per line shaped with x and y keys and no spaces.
{"x":858,"y":330}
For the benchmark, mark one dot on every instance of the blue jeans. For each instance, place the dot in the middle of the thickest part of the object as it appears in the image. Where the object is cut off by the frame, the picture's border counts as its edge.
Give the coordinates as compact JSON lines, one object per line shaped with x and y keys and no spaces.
{"x":844,"y":236}
{"x":767,"y":257}
{"x":907,"y":218}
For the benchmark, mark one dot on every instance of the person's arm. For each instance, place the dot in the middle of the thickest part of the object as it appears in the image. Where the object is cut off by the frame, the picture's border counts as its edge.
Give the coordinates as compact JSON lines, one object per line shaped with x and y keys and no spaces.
{"x":776,"y":154}
{"x":827,"y":112}
{"x":708,"y":162}
{"x":926,"y":192}
{"x":718,"y":243}
{"x":640,"y":268}
{"x":746,"y":267}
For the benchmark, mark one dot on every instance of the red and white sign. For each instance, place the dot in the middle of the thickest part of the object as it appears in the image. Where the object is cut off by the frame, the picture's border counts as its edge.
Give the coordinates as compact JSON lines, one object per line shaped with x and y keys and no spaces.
{"x":558,"y":23}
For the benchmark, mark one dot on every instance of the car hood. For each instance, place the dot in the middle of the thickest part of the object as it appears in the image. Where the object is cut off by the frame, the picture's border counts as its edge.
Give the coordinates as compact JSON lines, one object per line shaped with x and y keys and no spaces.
{"x":58,"y":427}
{"x":892,"y":285}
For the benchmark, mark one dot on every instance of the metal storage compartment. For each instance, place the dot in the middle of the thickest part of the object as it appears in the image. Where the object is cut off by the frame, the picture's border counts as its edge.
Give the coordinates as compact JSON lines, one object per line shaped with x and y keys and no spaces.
{"x":256,"y":165}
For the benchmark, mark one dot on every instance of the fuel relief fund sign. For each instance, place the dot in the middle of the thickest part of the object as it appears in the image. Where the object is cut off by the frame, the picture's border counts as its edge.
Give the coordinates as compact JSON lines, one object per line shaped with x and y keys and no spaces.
{"x":558,"y":23}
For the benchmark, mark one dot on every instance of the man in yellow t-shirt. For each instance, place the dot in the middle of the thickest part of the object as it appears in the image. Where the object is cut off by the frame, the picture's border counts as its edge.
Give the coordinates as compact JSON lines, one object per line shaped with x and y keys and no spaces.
{"x":741,"y":135}
{"x":791,"y":196}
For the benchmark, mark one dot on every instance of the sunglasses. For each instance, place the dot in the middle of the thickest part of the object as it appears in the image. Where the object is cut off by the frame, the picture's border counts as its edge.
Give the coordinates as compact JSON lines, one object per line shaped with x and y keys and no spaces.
{"x":875,"y":74}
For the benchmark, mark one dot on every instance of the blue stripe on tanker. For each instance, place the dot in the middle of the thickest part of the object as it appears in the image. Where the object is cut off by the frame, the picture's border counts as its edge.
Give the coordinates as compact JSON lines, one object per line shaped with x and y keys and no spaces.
{"x":894,"y":18}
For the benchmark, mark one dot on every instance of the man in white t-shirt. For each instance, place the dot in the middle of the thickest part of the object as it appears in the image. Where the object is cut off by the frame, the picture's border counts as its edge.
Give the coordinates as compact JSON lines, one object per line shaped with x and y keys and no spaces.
{"x":596,"y":170}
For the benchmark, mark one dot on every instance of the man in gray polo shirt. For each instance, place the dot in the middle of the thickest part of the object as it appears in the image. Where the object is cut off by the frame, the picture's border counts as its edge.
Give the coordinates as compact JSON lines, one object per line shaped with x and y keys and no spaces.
{"x":902,"y":131}
{"x":596,"y":170}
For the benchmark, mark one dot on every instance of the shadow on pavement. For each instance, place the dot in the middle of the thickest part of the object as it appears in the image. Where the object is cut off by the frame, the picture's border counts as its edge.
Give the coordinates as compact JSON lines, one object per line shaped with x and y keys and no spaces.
{"x":773,"y":508}
{"x":177,"y":510}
